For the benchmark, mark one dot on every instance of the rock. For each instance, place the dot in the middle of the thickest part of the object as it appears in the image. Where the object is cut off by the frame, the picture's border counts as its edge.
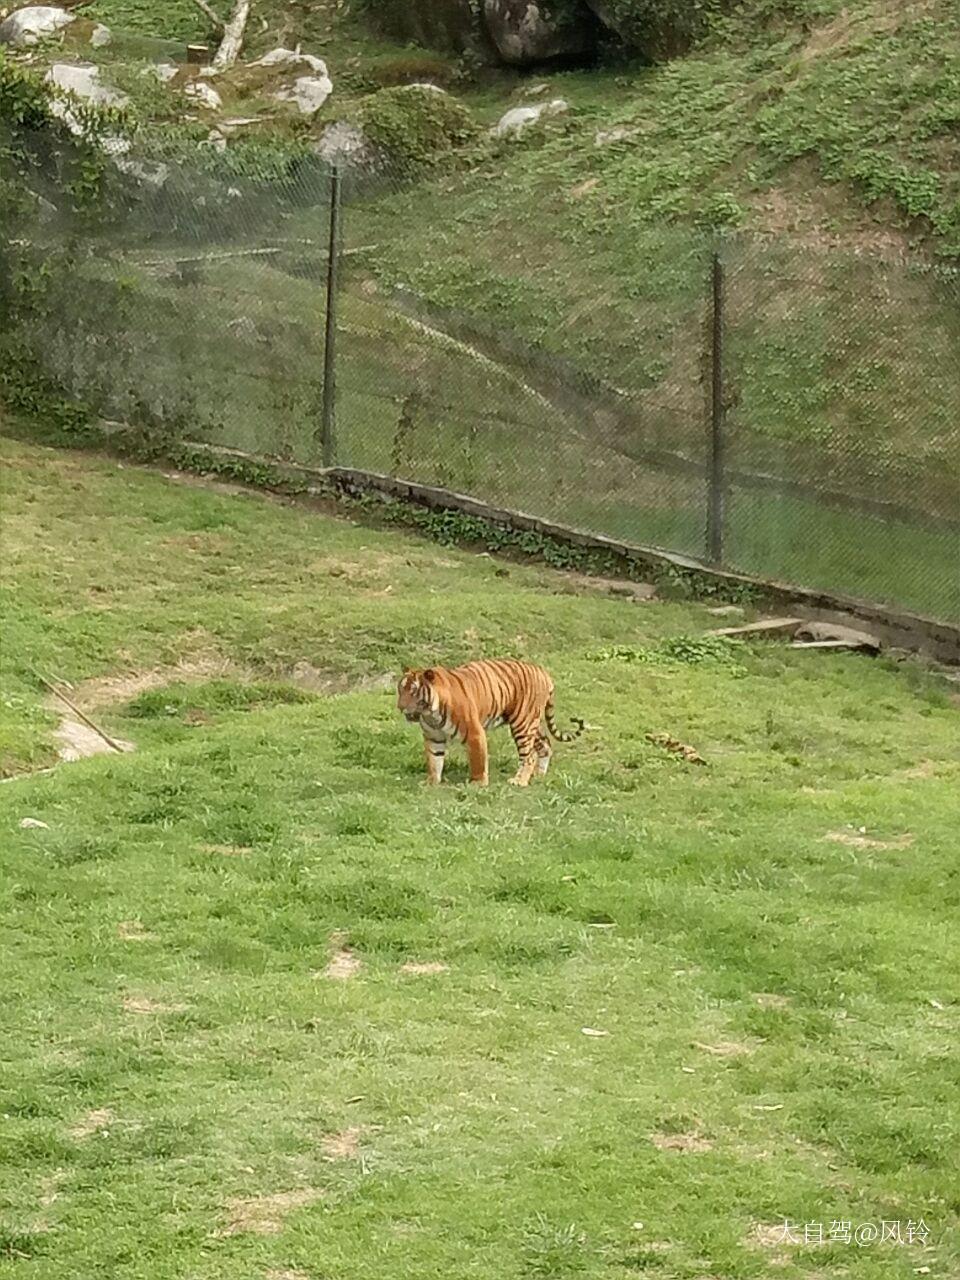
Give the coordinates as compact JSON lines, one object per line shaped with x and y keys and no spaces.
{"x":291,"y":57}
{"x":163,"y":71}
{"x":526,"y":31}
{"x":239,"y":122}
{"x":606,"y":137}
{"x":31,"y":824}
{"x":100,"y":36}
{"x":153,"y":173}
{"x":836,"y":635}
{"x":344,"y":143}
{"x":205,"y":95}
{"x":114,"y":145}
{"x":216,"y":140}
{"x":727,"y":611}
{"x":639,"y":592}
{"x":83,"y":80}
{"x":285,"y":75}
{"x":46,"y":210}
{"x":658,"y":31}
{"x":517,"y":119}
{"x":308,"y":92}
{"x":27,"y":26}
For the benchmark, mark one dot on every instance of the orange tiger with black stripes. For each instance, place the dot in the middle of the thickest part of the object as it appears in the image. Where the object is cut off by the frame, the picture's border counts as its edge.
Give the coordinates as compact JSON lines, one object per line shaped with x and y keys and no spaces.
{"x":464,"y":702}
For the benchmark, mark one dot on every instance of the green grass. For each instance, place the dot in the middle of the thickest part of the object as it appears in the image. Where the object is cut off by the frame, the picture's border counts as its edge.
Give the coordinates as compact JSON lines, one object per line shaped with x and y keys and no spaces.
{"x":163,"y":935}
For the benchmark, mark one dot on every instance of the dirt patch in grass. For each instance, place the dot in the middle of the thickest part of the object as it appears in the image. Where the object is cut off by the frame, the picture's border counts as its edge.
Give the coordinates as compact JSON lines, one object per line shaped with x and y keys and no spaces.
{"x":771,"y":1235}
{"x":264,"y":1215}
{"x":50,"y":1188}
{"x":226,"y":850}
{"x":344,"y":1145}
{"x":144,"y":1005}
{"x":638,"y":591}
{"x":686,"y":1143}
{"x":425,"y":967}
{"x":286,"y":1275}
{"x":925,"y":769}
{"x":93,"y":1122}
{"x":76,"y":740}
{"x":344,"y":963}
{"x":821,"y":223}
{"x":314,"y":680}
{"x":857,"y":840}
{"x":769,"y":1000}
{"x":133,"y":931}
{"x":725,"y":1048}
{"x":103,"y":691}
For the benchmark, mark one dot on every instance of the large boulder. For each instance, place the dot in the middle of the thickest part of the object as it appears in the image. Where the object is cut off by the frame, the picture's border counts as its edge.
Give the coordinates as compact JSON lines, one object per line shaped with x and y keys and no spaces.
{"x":285,"y":75}
{"x":658,"y":29}
{"x":530,"y":31}
{"x":82,"y":79}
{"x":29,"y":26}
{"x":203,"y":94}
{"x":346,"y":145}
{"x":400,"y":131}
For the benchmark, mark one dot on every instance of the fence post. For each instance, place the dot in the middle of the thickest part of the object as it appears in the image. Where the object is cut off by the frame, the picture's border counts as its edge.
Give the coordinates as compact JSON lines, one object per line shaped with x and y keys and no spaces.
{"x":716,"y":491}
{"x":328,"y":419}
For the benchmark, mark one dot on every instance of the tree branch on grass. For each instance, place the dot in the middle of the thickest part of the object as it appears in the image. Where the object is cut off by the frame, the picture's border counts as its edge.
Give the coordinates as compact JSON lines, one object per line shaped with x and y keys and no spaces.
{"x":232,"y":40}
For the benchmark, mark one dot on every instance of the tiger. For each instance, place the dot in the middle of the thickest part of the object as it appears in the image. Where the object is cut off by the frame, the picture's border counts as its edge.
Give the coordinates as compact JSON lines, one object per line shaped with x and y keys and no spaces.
{"x":464,"y":702}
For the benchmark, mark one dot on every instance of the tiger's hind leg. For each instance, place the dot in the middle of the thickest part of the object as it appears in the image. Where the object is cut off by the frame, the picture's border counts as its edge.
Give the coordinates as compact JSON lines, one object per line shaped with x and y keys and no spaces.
{"x":544,"y":752}
{"x":526,"y":739}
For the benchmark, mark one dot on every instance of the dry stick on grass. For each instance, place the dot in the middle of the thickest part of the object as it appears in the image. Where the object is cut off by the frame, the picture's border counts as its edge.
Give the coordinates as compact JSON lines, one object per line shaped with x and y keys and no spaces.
{"x":208,"y":13}
{"x":77,"y":712}
{"x":677,"y":748}
{"x":232,"y":40}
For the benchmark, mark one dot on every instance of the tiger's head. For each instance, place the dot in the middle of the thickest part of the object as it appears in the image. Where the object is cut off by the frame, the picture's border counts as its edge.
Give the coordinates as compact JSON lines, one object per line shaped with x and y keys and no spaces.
{"x":415,"y":695}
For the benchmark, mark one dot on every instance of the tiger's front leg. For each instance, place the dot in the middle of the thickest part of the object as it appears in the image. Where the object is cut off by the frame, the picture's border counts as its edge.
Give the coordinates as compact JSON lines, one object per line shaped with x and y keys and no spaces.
{"x":436,"y":754}
{"x":476,"y":738}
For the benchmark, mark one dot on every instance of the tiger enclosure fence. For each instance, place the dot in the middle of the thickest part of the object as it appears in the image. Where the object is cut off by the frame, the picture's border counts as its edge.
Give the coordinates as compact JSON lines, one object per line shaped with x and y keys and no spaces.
{"x":781,"y":408}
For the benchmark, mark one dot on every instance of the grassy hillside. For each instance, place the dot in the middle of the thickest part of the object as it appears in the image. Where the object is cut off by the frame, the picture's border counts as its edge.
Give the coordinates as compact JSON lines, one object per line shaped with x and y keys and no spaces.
{"x":785,"y":97}
{"x":273,"y":1009}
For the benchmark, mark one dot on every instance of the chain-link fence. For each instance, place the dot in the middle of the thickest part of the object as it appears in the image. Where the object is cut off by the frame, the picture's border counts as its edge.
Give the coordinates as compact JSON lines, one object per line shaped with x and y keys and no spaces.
{"x":787,"y":410}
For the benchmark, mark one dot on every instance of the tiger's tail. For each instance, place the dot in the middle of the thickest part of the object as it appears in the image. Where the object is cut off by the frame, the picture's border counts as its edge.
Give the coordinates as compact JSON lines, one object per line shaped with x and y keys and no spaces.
{"x":558,"y":733}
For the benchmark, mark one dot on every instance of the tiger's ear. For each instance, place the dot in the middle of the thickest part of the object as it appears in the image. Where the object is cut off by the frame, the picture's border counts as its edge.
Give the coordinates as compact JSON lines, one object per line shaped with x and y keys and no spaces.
{"x":428,"y":674}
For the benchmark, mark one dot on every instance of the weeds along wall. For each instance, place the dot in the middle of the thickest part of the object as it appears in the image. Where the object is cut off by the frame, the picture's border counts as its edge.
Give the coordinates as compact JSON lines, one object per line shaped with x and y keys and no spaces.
{"x":785,"y":410}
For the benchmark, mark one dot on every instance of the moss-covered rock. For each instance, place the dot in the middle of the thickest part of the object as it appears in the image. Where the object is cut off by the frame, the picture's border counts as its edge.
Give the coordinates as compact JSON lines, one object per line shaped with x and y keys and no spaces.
{"x":659,"y":29}
{"x":414,"y":127}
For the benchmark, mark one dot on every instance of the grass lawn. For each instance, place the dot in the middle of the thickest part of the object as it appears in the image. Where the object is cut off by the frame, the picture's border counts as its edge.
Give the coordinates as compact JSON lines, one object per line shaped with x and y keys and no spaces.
{"x":215,"y":1058}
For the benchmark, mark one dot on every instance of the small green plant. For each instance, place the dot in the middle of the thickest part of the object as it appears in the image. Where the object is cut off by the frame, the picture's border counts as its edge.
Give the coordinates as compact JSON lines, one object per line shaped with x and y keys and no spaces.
{"x":677,"y":651}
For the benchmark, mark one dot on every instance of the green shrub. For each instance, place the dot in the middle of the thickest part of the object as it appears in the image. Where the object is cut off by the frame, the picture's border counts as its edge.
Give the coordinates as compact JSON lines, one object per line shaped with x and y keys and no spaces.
{"x":415,"y":128}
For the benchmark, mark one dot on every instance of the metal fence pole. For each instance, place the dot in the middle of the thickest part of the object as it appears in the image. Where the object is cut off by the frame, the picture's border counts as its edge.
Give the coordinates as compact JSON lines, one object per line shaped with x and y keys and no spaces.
{"x":716,"y":492}
{"x":328,"y":420}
